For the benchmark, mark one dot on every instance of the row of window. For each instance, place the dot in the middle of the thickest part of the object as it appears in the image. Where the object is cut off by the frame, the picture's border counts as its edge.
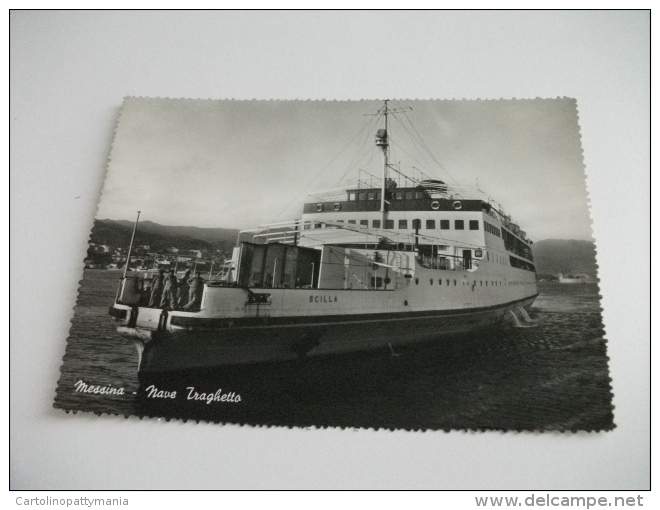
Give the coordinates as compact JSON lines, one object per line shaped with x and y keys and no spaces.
{"x":496,"y":257}
{"x":522,"y":264}
{"x":482,"y":283}
{"x":493,"y":230}
{"x":403,"y":224}
{"x":377,"y":282}
{"x":515,"y":245}
{"x":396,"y":195}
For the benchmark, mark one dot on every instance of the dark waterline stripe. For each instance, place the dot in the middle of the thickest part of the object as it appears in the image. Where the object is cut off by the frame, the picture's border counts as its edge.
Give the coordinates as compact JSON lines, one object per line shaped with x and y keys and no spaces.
{"x":331,"y":319}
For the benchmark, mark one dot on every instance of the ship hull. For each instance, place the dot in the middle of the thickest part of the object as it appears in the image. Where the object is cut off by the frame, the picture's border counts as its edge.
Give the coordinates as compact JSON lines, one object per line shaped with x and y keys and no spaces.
{"x":203,"y":344}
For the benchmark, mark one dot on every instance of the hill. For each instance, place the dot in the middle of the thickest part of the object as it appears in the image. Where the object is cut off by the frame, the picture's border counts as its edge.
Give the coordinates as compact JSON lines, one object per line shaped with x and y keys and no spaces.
{"x":554,"y":256}
{"x":159,"y":237}
{"x":219,"y":238}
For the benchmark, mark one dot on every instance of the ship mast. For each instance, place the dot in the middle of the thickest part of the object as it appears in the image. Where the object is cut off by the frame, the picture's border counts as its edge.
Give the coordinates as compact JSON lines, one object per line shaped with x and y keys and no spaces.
{"x":382,"y":142}
{"x":130,"y":246}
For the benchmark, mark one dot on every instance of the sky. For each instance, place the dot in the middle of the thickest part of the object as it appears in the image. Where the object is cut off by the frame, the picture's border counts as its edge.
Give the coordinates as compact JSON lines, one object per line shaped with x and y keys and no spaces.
{"x":239,"y":164}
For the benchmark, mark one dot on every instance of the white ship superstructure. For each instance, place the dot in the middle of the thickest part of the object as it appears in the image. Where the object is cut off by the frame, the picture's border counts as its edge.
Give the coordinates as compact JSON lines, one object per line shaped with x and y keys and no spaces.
{"x":390,"y":261}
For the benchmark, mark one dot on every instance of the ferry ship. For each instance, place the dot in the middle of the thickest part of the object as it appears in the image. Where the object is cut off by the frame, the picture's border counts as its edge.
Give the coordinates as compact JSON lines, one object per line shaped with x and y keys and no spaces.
{"x":391,"y":261}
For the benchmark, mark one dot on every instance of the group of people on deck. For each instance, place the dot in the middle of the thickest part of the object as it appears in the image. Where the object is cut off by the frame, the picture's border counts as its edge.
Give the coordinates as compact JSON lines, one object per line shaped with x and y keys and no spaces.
{"x":167,"y":291}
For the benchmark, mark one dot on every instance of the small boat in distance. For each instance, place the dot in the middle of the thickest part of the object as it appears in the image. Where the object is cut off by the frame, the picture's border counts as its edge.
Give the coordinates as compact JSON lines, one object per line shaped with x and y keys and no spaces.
{"x":573,"y":278}
{"x":393,"y":260}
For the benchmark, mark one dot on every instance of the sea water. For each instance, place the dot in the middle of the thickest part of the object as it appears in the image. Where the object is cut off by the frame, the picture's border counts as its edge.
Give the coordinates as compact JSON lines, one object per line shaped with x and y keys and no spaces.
{"x":552,"y":376}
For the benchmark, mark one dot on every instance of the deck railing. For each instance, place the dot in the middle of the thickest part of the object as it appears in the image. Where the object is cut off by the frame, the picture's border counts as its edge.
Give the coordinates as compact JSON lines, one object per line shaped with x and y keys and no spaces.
{"x":446,"y":262}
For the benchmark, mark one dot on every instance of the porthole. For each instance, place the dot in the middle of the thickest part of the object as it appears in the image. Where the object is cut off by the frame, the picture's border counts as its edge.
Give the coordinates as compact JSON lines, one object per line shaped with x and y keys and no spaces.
{"x":319,"y":207}
{"x":337,"y":207}
{"x":416,"y":281}
{"x":457,"y":205}
{"x":435,"y":205}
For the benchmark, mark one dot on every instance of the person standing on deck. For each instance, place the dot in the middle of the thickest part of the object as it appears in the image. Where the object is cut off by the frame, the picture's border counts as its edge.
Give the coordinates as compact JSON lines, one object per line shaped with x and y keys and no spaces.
{"x":184,"y":290}
{"x":156,"y":289}
{"x":169,"y":290}
{"x":196,"y":291}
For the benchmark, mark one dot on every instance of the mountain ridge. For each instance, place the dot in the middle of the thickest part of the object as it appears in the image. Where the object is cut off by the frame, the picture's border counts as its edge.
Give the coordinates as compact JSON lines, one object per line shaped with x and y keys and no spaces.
{"x":159,"y":237}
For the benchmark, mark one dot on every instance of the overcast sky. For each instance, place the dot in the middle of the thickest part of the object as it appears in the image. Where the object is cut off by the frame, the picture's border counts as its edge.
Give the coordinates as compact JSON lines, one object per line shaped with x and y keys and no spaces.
{"x":238,"y":164}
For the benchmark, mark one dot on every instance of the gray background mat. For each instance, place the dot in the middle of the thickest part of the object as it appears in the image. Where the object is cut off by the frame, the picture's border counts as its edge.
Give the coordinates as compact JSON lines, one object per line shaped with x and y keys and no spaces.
{"x":69,"y":73}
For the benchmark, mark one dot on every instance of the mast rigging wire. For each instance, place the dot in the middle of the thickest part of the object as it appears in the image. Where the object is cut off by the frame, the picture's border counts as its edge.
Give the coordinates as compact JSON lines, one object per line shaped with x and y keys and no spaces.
{"x":320,"y":172}
{"x":357,"y":157}
{"x":426,"y":148}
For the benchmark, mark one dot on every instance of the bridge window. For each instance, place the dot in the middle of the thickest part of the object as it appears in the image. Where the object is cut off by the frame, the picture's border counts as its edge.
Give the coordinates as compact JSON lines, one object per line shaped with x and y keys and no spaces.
{"x":419,"y":195}
{"x":444,"y":224}
{"x":352,"y":196}
{"x":430,"y":224}
{"x":399,"y":195}
{"x":474,"y":224}
{"x":459,"y":224}
{"x":376,"y":223}
{"x":389,"y":224}
{"x":409,"y":195}
{"x":403,"y":223}
{"x":371,"y":196}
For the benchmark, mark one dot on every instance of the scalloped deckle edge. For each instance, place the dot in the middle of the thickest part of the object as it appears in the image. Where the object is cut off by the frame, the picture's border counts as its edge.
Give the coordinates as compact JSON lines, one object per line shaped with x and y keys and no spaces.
{"x":201,"y":169}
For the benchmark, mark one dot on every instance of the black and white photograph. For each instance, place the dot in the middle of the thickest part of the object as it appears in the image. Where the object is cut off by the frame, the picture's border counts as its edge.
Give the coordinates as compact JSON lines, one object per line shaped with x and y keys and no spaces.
{"x":400,"y":264}
{"x":330,"y":250}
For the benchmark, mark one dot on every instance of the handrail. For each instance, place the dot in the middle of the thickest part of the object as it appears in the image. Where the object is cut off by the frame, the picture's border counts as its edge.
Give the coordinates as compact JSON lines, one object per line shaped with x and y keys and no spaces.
{"x":445,"y":262}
